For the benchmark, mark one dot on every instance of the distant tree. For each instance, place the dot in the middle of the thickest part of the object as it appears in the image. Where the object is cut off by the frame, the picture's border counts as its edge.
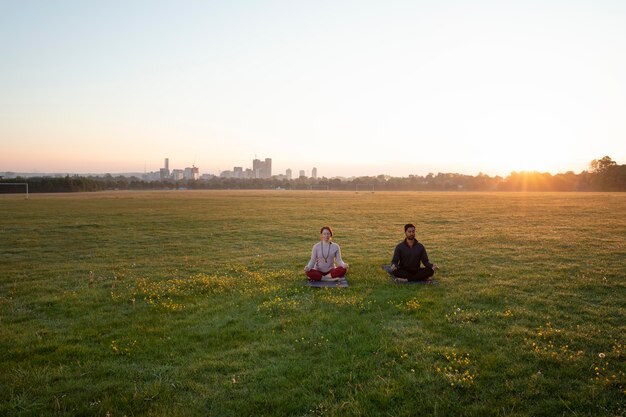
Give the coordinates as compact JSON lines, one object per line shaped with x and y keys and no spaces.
{"x":612,"y":178}
{"x":599,"y":166}
{"x":604,"y":175}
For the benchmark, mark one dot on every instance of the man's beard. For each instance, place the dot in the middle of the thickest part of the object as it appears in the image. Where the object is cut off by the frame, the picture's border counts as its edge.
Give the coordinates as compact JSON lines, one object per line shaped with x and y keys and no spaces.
{"x":411,"y":237}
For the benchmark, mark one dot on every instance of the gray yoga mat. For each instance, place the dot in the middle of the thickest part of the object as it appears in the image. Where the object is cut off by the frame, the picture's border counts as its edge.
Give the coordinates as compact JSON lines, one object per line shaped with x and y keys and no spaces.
{"x":323,"y":284}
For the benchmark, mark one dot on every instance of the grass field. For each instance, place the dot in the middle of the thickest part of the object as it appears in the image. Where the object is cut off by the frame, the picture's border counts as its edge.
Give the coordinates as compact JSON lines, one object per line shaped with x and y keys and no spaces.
{"x":193,"y":303}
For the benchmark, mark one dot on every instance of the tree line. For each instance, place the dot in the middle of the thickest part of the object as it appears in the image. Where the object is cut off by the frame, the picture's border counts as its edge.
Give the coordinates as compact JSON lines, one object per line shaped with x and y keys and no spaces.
{"x":603,"y":175}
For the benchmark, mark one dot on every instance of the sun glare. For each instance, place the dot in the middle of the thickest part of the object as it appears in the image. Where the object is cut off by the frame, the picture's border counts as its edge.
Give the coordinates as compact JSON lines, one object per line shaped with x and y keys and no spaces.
{"x":527,"y":156}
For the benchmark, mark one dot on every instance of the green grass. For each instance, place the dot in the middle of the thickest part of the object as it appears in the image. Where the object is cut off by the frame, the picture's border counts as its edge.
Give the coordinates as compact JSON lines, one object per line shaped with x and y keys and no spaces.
{"x":193,"y":303}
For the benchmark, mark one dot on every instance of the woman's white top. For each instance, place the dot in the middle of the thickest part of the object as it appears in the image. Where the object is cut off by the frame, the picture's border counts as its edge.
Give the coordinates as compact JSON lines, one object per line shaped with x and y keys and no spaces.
{"x":325,"y":256}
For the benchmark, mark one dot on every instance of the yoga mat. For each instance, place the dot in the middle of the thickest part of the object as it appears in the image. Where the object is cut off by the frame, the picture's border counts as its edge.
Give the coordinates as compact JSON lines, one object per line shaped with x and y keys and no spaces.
{"x":322,"y":284}
{"x":387,"y":269}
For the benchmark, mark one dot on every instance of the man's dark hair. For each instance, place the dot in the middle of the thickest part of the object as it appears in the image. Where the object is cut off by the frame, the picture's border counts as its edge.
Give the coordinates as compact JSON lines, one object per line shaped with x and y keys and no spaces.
{"x":406,"y":226}
{"x":330,"y":229}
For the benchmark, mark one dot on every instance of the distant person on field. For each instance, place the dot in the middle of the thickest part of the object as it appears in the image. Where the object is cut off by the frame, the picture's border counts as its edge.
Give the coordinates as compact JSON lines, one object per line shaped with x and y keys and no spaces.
{"x":408,"y":257}
{"x":326,"y":263}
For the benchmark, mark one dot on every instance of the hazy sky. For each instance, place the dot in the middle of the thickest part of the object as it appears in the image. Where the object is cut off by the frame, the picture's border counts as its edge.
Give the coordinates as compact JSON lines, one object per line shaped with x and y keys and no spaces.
{"x":351,"y":87}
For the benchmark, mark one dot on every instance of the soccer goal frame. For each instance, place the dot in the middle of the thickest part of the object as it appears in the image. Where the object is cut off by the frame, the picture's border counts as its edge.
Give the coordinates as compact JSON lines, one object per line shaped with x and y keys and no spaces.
{"x":363,"y":187}
{"x":25,"y":184}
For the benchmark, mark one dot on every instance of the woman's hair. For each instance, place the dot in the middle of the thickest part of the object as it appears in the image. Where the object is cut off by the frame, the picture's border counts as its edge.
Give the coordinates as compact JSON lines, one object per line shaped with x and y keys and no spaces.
{"x":330,"y":229}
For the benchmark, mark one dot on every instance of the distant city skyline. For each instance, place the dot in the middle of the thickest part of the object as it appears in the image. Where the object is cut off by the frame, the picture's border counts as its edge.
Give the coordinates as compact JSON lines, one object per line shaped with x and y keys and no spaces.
{"x":262,"y":169}
{"x":194,"y":172}
{"x":352,"y":88}
{"x":348,"y":169}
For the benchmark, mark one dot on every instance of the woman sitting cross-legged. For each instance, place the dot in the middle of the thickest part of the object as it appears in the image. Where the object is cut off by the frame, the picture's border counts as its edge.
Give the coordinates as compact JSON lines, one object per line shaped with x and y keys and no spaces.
{"x":326,"y":263}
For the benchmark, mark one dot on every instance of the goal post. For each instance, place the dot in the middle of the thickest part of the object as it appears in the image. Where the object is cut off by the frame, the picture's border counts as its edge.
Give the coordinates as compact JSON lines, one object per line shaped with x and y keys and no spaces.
{"x":13,"y":185}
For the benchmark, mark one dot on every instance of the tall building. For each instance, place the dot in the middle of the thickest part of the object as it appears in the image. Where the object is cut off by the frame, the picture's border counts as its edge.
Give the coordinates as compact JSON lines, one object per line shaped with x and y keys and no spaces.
{"x":302,"y":174}
{"x":192,"y":173}
{"x":256,"y":168}
{"x":268,"y":168}
{"x":288,"y":173}
{"x":262,"y":169}
{"x":178,"y":174}
{"x":314,"y":173}
{"x":165,"y":171}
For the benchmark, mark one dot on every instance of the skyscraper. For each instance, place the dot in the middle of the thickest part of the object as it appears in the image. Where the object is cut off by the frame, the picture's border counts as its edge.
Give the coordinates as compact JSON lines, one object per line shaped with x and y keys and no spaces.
{"x":262,"y":169}
{"x":268,"y":168}
{"x":256,"y":168}
{"x":165,"y":171}
{"x":314,"y":173}
{"x":192,"y":173}
{"x":288,"y":173}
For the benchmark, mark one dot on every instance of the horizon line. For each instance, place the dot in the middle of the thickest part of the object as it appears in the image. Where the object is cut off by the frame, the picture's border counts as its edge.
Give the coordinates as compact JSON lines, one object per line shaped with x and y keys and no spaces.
{"x":139,"y":174}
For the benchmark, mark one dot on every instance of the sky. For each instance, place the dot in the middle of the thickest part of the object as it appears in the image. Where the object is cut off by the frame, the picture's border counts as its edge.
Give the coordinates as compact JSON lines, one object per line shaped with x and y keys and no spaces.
{"x":350,"y":87}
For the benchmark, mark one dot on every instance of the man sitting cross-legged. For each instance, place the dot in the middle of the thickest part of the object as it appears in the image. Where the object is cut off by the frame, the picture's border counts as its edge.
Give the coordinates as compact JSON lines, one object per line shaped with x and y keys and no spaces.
{"x":408,"y":257}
